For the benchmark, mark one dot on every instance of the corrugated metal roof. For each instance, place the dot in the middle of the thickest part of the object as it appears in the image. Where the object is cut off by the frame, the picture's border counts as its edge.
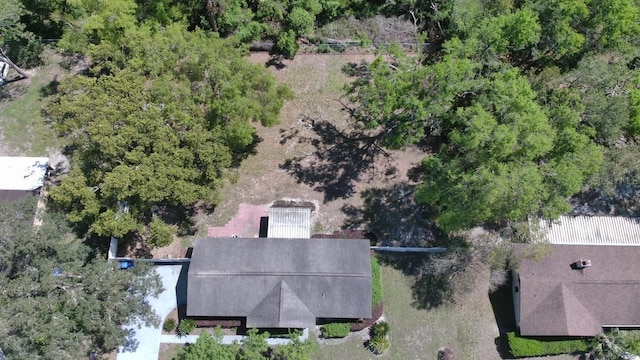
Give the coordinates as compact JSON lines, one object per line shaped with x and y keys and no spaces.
{"x":22,"y":173}
{"x":590,"y":230}
{"x":289,"y":223}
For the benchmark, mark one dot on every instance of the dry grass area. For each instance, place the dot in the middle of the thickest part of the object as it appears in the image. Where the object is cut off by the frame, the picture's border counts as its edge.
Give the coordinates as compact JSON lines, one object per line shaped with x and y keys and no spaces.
{"x":468,"y":327}
{"x":168,"y":351}
{"x":23,"y":131}
{"x":308,"y":157}
{"x":296,"y":159}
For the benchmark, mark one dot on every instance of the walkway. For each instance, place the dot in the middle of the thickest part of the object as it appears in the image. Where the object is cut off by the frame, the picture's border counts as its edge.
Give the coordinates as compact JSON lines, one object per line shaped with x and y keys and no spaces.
{"x":246,"y":223}
{"x":145,"y":344}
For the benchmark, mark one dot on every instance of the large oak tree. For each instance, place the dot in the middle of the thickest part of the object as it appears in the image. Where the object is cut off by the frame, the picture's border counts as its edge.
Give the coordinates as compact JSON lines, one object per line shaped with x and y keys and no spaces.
{"x":58,"y":298}
{"x":163,"y":115}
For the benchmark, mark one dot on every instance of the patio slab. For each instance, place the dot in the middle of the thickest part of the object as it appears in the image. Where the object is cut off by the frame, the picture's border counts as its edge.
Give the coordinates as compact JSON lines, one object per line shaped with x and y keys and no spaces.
{"x":245,"y":224}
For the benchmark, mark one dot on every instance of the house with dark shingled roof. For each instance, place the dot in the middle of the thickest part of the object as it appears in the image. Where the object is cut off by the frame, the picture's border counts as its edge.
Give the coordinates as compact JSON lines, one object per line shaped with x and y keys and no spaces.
{"x":578,"y":290}
{"x":279,"y":283}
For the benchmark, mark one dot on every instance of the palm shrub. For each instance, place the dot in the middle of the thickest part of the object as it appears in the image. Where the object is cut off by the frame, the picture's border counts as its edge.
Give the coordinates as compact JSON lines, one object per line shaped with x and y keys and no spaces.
{"x":169,"y":325}
{"x":379,"y":344}
{"x":380,"y":329}
{"x":186,"y":326}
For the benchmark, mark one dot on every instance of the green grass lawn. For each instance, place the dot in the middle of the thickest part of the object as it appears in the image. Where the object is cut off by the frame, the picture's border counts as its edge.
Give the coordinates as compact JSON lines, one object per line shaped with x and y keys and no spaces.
{"x":468,"y":327}
{"x":23,"y":131}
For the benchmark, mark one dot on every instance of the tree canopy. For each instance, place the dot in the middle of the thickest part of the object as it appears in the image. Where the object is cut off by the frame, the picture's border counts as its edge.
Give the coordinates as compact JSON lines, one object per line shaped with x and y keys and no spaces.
{"x":59,"y":299}
{"x":161,"y":117}
{"x":21,"y":44}
{"x":517,"y":107}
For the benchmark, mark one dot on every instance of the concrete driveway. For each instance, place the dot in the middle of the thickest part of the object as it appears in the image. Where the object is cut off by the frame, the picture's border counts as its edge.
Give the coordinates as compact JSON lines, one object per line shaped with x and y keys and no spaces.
{"x":145,"y":343}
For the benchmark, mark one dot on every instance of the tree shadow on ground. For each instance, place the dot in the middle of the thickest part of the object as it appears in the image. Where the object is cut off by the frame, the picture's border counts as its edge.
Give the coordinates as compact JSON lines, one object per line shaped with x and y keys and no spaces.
{"x":502,"y":305}
{"x":11,"y":92}
{"x":395,"y":219}
{"x":131,"y":343}
{"x":49,"y":89}
{"x":623,"y":201}
{"x":340,"y":160}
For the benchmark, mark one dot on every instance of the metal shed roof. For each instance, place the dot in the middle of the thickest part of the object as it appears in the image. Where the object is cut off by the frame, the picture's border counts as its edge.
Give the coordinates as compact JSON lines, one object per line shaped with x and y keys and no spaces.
{"x":589,"y":230}
{"x":289,"y":223}
{"x":22,"y":173}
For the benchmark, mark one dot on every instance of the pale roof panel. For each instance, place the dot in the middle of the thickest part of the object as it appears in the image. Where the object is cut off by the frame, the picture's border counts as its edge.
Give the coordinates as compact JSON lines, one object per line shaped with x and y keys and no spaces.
{"x":590,"y":230}
{"x":289,"y":223}
{"x":22,"y":173}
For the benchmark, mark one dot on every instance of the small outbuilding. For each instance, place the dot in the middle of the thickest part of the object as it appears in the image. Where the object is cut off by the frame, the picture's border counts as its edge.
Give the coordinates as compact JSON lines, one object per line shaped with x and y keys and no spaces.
{"x":289,"y":223}
{"x":280,"y":283}
{"x":21,"y":176}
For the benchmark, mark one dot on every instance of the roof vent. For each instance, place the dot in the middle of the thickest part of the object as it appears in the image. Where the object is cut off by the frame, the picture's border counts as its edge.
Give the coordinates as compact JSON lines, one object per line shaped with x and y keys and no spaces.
{"x":583,"y":263}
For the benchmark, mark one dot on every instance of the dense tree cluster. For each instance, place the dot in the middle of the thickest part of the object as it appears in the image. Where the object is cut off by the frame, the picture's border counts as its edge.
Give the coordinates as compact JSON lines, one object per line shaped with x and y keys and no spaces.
{"x":161,"y":116}
{"x":21,"y":44}
{"x":59,"y":300}
{"x":520,"y":103}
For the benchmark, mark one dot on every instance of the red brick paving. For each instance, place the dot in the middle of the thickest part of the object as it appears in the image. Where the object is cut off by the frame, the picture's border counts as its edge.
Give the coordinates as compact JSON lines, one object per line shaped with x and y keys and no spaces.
{"x":246,"y":223}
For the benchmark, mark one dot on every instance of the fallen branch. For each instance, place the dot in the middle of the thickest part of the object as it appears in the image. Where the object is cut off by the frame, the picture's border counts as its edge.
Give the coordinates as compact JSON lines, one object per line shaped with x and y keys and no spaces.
{"x":4,"y":57}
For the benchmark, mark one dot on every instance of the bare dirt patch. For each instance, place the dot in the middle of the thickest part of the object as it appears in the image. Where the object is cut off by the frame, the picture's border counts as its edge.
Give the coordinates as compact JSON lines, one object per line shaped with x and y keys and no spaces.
{"x":308,"y":156}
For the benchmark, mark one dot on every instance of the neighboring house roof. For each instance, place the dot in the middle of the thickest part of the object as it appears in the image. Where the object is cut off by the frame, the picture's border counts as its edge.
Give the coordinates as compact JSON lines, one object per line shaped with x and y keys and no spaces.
{"x":557,"y":300}
{"x":589,"y":230}
{"x":280,"y":283}
{"x":21,"y":175}
{"x":289,"y":223}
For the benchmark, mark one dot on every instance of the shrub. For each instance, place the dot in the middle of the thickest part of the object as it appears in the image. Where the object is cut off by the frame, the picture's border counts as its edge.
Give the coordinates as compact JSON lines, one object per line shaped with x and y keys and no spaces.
{"x":169,"y":325}
{"x":524,"y":347}
{"x":379,"y":345}
{"x":324,"y":48}
{"x":186,"y":326}
{"x":335,"y":330}
{"x":376,"y":282}
{"x":160,"y":233}
{"x":380,"y":329}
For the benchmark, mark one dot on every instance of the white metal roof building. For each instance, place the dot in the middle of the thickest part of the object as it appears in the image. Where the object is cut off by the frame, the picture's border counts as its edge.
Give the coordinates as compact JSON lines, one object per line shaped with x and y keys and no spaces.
{"x":289,"y":223}
{"x":588,"y":230}
{"x":22,"y":173}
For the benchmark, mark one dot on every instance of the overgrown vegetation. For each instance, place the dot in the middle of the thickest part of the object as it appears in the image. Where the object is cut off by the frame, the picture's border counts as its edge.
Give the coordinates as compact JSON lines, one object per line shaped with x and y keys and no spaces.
{"x":155,"y":125}
{"x":57,"y":290}
{"x":525,"y":347}
{"x":615,"y":344}
{"x":335,"y":330}
{"x":517,"y":116}
{"x":254,"y":346}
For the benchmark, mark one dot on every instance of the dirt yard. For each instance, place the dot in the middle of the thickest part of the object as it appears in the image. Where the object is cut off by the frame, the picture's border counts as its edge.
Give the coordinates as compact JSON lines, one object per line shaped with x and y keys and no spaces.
{"x":304,"y":157}
{"x":310,"y":156}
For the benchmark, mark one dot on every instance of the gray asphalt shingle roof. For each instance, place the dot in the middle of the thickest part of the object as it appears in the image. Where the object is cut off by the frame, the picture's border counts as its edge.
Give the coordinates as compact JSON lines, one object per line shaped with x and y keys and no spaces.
{"x":280,"y":283}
